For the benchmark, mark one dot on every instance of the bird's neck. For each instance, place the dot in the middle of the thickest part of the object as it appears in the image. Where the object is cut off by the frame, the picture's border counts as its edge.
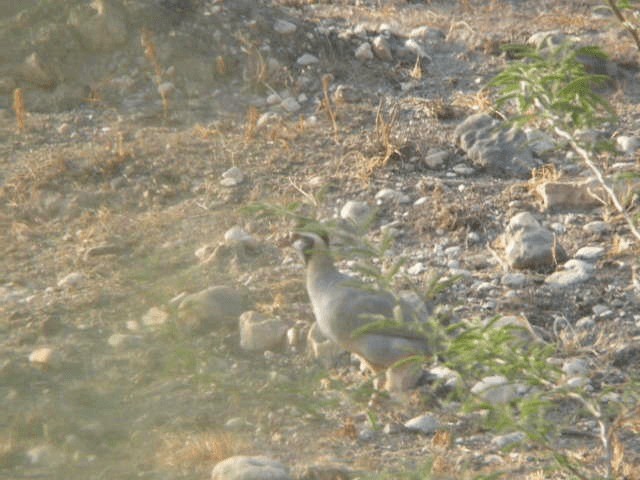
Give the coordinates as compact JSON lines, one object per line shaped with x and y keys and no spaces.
{"x":321,"y":271}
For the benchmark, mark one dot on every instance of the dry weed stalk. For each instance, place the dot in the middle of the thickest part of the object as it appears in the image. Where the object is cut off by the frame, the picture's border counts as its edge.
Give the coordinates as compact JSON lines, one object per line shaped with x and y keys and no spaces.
{"x":326,"y":103}
{"x":251,"y":123}
{"x":384,"y":131}
{"x":256,"y":71}
{"x":221,"y":65}
{"x":164,"y":89}
{"x":19,"y":109}
{"x":416,"y":72}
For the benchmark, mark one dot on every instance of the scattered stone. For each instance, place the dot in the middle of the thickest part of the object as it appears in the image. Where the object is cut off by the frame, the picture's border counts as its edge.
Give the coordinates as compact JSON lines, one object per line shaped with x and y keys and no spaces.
{"x":494,"y":148}
{"x":45,"y":456}
{"x":577,"y":382}
{"x":416,"y":48}
{"x":390,"y":195}
{"x":118,"y":340}
{"x":574,"y":271}
{"x":381,"y":48}
{"x":627,"y":144}
{"x":284,"y":27}
{"x":357,"y":212}
{"x":232,"y":177}
{"x":237,"y":423}
{"x":101,"y":250}
{"x":393,"y":428}
{"x":519,"y":326}
{"x":241,"y":467}
{"x":590,"y":254}
{"x":72,"y":280}
{"x":41,"y":356}
{"x":530,"y":246}
{"x":495,"y":389}
{"x":402,"y":377}
{"x":539,"y":142}
{"x":575,"y":195}
{"x":514,"y":280}
{"x":364,"y":52}
{"x":154,"y":317}
{"x":307,"y":59}
{"x":290,"y":104}
{"x":602,"y":311}
{"x":207,"y":309}
{"x":448,"y":377}
{"x":237,"y":235}
{"x":437,"y":159}
{"x":259,"y":333}
{"x":323,"y":349}
{"x":426,"y":423}
{"x":597,"y":227}
{"x":575,"y":366}
{"x":502,"y":441}
{"x":273,"y":99}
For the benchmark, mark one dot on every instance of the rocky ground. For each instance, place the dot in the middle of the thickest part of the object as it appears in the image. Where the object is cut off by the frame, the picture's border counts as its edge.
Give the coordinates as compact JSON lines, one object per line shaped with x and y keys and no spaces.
{"x":151,"y":126}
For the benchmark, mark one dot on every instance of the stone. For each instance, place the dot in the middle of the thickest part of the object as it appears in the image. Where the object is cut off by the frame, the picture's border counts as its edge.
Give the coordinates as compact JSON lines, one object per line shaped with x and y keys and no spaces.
{"x":323,"y":349}
{"x":539,"y":142}
{"x":590,"y":254}
{"x":427,"y":33}
{"x":446,"y":376}
{"x":436,"y":160}
{"x":154,"y":317}
{"x":502,"y":441}
{"x":530,"y":246}
{"x":284,"y":27}
{"x":237,"y":235}
{"x":307,"y":59}
{"x":574,"y":271}
{"x":101,"y":250}
{"x":416,"y":268}
{"x":260,"y":333}
{"x":72,"y":280}
{"x":357,"y":212}
{"x":574,"y":196}
{"x":496,"y":390}
{"x":165,"y":89}
{"x":118,"y":340}
{"x":390,"y":195}
{"x":290,"y":104}
{"x":212,"y":307}
{"x":364,"y":52}
{"x":575,"y":366}
{"x":514,"y":280}
{"x":426,"y":423}
{"x":628,"y":144}
{"x":381,"y":49}
{"x":41,"y":356}
{"x":551,"y":38}
{"x":241,"y":467}
{"x":491,"y":146}
{"x":597,"y":227}
{"x":403,"y":377}
{"x":232,"y":177}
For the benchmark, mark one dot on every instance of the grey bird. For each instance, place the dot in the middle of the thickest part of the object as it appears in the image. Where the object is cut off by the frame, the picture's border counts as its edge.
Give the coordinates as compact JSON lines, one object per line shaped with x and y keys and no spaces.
{"x":343,"y":305}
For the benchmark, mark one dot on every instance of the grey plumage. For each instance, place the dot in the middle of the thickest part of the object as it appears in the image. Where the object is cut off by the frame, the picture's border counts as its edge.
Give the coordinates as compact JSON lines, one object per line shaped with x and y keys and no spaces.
{"x":343,"y":305}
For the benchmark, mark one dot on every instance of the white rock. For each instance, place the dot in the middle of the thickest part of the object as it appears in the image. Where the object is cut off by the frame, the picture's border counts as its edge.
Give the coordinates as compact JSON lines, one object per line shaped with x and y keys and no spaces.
{"x":590,"y":253}
{"x":283,"y":27}
{"x":539,"y":141}
{"x":437,"y":159}
{"x":390,"y":195}
{"x":356,"y":211}
{"x":266,"y":119}
{"x":41,"y":356}
{"x":514,"y":280}
{"x":272,"y":100}
{"x":416,"y":48}
{"x":242,"y":467}
{"x":232,"y":177}
{"x":502,"y":441}
{"x":290,"y":104}
{"x":307,"y":59}
{"x":154,"y":317}
{"x":426,"y":423}
{"x":124,"y":340}
{"x":416,"y":268}
{"x":577,"y":382}
{"x":575,"y":271}
{"x":628,"y":144}
{"x":597,"y":227}
{"x":73,"y":279}
{"x":364,"y":52}
{"x":259,"y":333}
{"x":381,"y":48}
{"x":575,"y":366}
{"x":450,"y":378}
{"x":237,"y":235}
{"x":165,"y":89}
{"x":495,"y":389}
{"x":464,"y":170}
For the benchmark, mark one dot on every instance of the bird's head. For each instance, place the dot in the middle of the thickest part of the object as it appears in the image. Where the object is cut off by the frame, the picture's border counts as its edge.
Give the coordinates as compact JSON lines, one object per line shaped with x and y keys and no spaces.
{"x":307,"y":244}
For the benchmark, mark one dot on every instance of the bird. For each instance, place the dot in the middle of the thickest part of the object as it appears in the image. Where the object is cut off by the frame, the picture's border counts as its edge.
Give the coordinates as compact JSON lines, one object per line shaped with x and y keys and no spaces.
{"x":344,"y":307}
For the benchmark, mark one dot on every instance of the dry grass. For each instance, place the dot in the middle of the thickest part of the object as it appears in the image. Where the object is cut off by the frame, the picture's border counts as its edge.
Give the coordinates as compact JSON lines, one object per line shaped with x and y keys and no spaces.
{"x":149,"y":46}
{"x":326,"y":104}
{"x":19,"y":109}
{"x":197,"y":450}
{"x":251,"y":123}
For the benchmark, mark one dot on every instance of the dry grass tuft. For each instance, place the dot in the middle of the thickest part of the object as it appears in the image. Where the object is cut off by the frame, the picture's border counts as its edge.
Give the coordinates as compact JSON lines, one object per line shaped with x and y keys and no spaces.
{"x":149,"y":46}
{"x":193,"y":450}
{"x":19,"y":109}
{"x":251,"y":123}
{"x":326,"y":104}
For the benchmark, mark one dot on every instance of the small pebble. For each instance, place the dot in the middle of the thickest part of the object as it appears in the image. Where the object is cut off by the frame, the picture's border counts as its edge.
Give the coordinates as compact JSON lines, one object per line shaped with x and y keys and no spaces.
{"x":307,"y":59}
{"x":41,"y":356}
{"x":74,"y":279}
